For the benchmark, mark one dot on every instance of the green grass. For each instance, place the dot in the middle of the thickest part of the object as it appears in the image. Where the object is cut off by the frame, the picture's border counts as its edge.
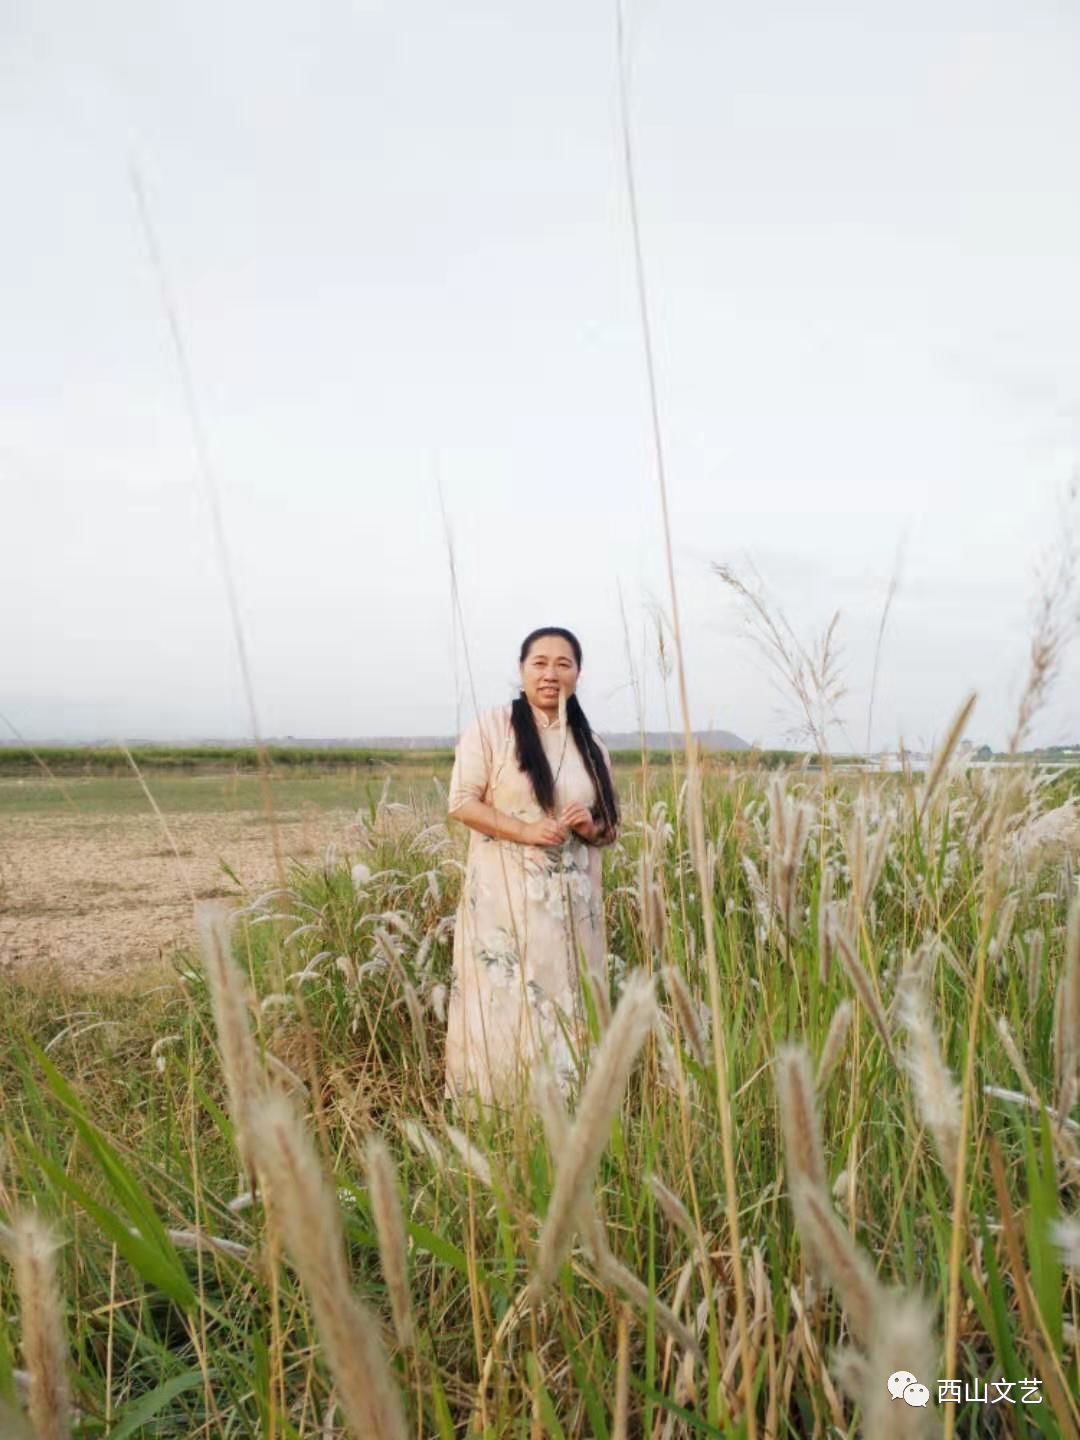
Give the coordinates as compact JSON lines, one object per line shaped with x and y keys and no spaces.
{"x":213,"y":794}
{"x":22,"y":760}
{"x":113,"y":1117}
{"x":102,"y":759}
{"x":332,"y":788}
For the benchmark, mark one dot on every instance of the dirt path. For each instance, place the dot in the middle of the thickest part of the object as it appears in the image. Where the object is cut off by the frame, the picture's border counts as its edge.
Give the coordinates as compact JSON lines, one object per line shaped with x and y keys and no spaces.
{"x":99,"y":897}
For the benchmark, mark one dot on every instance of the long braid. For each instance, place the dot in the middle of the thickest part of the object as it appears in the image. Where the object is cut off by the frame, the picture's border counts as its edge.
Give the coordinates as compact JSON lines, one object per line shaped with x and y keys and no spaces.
{"x":607,"y":802}
{"x":532,"y":758}
{"x":531,"y":755}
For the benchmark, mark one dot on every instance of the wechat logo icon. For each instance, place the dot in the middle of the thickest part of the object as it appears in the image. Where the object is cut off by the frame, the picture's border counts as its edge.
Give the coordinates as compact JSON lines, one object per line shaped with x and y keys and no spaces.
{"x":905,"y":1386}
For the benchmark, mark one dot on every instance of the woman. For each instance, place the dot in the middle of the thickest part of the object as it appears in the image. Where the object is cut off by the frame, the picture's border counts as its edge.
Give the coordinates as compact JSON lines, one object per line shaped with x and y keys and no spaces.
{"x":539,"y":798}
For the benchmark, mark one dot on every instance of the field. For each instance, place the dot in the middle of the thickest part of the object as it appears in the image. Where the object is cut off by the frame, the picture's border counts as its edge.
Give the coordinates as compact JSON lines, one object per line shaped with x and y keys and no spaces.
{"x":91,"y":884}
{"x":725,"y":1237}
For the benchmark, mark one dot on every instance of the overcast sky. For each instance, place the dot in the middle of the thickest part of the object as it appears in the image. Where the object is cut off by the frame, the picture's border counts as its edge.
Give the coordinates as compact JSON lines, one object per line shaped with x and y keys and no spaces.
{"x":399,"y":244}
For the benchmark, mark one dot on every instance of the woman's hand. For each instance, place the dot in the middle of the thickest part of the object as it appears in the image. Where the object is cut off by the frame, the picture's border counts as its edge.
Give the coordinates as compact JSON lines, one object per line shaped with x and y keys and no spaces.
{"x":580,"y":820}
{"x":545,"y":831}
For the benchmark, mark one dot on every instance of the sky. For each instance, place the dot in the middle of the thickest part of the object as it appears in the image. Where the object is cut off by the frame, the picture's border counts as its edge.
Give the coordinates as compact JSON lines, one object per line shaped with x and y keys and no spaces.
{"x":398,"y":246}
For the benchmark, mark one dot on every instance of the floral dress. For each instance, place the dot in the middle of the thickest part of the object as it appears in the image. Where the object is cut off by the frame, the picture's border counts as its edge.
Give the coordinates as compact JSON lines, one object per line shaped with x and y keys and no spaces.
{"x":526,"y":913}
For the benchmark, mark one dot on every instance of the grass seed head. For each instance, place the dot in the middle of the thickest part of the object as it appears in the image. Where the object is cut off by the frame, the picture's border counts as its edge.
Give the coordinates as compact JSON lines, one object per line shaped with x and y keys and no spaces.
{"x":936,"y":1092}
{"x":843,"y":1263}
{"x":32,"y":1246}
{"x":307,"y":1208}
{"x":229,"y":990}
{"x":1036,"y":942}
{"x":674,"y":1209}
{"x":799,"y":1121}
{"x":824,"y":938}
{"x":863,"y":986}
{"x":940,"y":762}
{"x":835,"y":1041}
{"x":1067,"y":1008}
{"x":474,"y":1159}
{"x":634,"y":1017}
{"x":390,"y":1229}
{"x":903,"y":1338}
{"x":686,"y":1011}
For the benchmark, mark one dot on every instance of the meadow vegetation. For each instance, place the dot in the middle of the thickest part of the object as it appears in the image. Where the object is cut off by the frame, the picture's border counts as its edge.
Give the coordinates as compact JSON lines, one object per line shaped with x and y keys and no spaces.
{"x":285,"y":760}
{"x":239,"y":1206}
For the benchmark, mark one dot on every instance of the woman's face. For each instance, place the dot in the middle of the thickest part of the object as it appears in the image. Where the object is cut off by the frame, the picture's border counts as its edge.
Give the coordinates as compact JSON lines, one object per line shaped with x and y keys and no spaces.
{"x":548,"y":668}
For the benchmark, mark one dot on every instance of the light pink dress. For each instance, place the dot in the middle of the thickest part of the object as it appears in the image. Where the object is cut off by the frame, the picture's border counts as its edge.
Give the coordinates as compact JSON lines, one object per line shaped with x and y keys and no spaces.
{"x":524,"y":914}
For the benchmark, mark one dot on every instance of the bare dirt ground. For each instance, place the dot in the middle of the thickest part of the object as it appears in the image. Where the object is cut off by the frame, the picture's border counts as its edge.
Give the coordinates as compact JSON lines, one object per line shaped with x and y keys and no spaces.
{"x":95,"y":899}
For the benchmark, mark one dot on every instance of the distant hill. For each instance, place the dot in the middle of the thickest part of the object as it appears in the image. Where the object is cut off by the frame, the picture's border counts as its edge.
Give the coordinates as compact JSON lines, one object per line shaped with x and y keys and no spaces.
{"x":613,"y":739}
{"x":663,"y":740}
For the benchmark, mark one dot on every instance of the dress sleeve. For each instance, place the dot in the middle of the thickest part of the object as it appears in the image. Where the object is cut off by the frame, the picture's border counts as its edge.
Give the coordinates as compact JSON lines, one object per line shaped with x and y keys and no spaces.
{"x":472,"y":765}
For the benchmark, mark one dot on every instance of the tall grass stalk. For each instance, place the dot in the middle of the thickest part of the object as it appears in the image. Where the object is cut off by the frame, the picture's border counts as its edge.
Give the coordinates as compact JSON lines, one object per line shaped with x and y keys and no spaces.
{"x":731,"y":1198}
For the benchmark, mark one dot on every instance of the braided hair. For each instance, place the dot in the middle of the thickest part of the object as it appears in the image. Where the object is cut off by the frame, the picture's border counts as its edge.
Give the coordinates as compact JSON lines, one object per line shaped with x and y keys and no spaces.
{"x":531,"y":756}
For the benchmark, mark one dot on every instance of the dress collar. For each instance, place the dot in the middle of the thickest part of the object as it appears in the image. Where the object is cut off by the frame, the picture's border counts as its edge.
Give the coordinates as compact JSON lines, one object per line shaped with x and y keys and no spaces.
{"x":542,"y":720}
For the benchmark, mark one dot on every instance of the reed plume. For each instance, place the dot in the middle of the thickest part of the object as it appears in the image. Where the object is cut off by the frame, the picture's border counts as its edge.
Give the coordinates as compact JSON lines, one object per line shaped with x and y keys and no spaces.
{"x":835,"y":1040}
{"x":306,"y":1205}
{"x":1016,"y":1060}
{"x":601,"y":998}
{"x":610,"y":1271}
{"x":936,"y":1091}
{"x":863,"y":986}
{"x":390,"y":1229}
{"x":790,"y":823}
{"x":685,"y":1009}
{"x":634,"y":1017}
{"x":32,"y":1247}
{"x":825,"y":904}
{"x":391,"y":954}
{"x":799,"y":1122}
{"x":674,"y":1209}
{"x":615,"y":1274}
{"x":650,"y":896}
{"x":902,"y":1339}
{"x":940,"y":762}
{"x":999,"y":941}
{"x":423,"y":1142}
{"x":866,"y":853}
{"x":474,"y":1159}
{"x":855,"y":848}
{"x":548,"y":1098}
{"x":1036,"y":942}
{"x":846,"y":1268}
{"x":229,"y":990}
{"x":1067,"y":1012}
{"x":760,"y":893}
{"x":879,"y":853}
